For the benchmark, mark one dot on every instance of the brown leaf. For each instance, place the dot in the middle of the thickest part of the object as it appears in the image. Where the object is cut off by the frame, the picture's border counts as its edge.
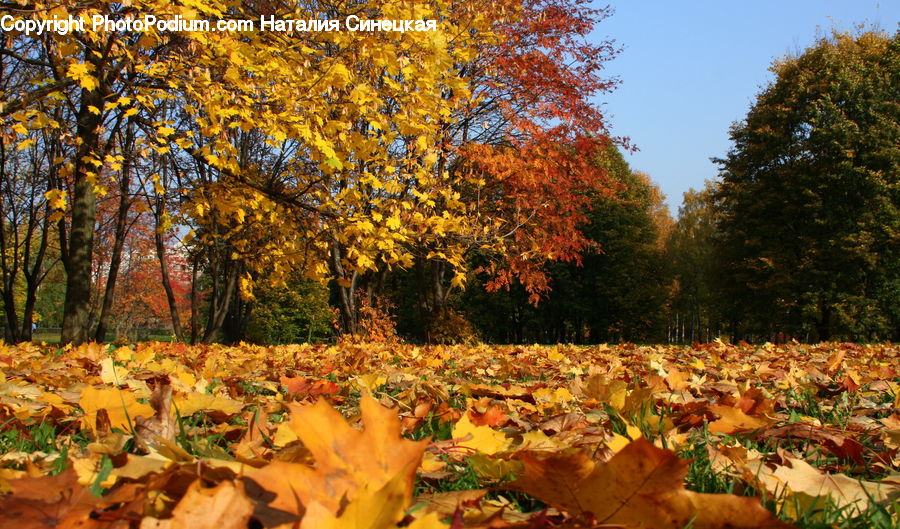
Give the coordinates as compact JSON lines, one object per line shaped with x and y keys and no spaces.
{"x":150,"y":432}
{"x":48,"y":501}
{"x":446,"y":503}
{"x":836,"y":443}
{"x":641,"y":486}
{"x":224,"y":506}
{"x":564,"y":422}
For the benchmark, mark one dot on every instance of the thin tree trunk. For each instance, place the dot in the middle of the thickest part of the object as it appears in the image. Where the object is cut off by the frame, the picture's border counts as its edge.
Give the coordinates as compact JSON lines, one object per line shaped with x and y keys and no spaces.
{"x":220,"y":301}
{"x":34,"y":277}
{"x":167,"y":285}
{"x":346,"y":293}
{"x":116,"y":257}
{"x":195,"y":302}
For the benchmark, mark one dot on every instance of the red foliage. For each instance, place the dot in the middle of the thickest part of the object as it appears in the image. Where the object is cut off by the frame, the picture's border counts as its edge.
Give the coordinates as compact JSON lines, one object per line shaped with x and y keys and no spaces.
{"x":140,"y":300}
{"x":543,"y":78}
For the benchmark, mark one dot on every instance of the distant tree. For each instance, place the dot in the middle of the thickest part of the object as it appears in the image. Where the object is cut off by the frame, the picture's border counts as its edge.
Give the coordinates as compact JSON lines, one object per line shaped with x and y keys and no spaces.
{"x":691,"y":254}
{"x":295,"y":313}
{"x":810,"y":195}
{"x":623,"y":284}
{"x":517,"y":157}
{"x":619,"y":289}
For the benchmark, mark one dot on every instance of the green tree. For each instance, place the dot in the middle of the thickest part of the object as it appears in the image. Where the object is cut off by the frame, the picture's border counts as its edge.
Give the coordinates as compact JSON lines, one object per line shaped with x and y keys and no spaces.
{"x":617,"y":291}
{"x":810,"y":195}
{"x":296,"y":313}
{"x":691,"y":252}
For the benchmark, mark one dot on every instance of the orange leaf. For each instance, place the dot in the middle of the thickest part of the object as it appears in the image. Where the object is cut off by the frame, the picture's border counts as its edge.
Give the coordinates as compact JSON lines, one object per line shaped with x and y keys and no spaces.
{"x":346,"y":459}
{"x":224,"y":506}
{"x":734,"y":420}
{"x":642,"y":485}
{"x":48,"y":501}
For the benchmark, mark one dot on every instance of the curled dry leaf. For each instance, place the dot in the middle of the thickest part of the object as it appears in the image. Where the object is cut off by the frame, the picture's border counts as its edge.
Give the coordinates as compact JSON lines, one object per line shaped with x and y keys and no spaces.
{"x":150,"y":432}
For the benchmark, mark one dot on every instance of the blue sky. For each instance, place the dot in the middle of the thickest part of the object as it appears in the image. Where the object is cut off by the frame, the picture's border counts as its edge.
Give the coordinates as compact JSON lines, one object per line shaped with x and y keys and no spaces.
{"x":689,"y":69}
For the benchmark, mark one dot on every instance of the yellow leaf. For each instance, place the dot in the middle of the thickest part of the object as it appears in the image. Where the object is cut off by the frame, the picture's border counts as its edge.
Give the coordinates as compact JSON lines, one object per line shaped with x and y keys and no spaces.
{"x":24,"y":144}
{"x":284,"y":435}
{"x":347,"y":459}
{"x":371,"y":508}
{"x":121,"y":406}
{"x":111,"y":373}
{"x":479,"y":438}
{"x":188,"y":404}
{"x":56,"y":198}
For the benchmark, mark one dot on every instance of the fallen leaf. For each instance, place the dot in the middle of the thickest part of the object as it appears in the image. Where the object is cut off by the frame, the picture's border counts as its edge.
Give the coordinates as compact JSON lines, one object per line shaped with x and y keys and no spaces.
{"x":807,"y":483}
{"x":479,"y":438}
{"x":121,"y":407}
{"x":732,"y":420}
{"x":640,"y":486}
{"x":370,"y":508}
{"x":838,"y":444}
{"x":190,"y":403}
{"x":150,"y":432}
{"x":48,"y":501}
{"x":346,"y":459}
{"x":224,"y":506}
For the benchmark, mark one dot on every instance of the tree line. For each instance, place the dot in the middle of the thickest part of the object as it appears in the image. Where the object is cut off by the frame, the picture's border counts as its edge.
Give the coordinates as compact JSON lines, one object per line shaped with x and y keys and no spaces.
{"x":436,"y":186}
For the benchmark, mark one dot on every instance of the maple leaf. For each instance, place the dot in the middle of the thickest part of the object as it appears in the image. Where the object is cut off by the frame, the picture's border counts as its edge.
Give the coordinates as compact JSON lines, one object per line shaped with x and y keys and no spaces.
{"x":807,"y":484}
{"x":121,"y":406}
{"x":190,"y":403}
{"x":346,"y":459}
{"x":371,"y":508}
{"x":640,"y":486}
{"x":50,"y":501}
{"x":486,"y":413}
{"x":309,"y":386}
{"x":832,"y":440}
{"x":479,"y":438}
{"x":224,"y":506}
{"x":734,"y":420}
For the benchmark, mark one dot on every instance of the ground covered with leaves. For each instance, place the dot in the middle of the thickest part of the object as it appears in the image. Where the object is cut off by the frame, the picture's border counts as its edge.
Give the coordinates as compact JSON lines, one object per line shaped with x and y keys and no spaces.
{"x":380,"y":436}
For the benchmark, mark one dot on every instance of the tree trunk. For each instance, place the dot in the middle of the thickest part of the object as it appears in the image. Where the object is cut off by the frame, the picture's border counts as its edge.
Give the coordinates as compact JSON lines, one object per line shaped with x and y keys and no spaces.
{"x":224,"y":288}
{"x":116,"y":257}
{"x":167,"y":285}
{"x":823,"y":324}
{"x":34,"y":275}
{"x":77,"y":305}
{"x":346,"y":292}
{"x":195,"y":301}
{"x":8,"y":261}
